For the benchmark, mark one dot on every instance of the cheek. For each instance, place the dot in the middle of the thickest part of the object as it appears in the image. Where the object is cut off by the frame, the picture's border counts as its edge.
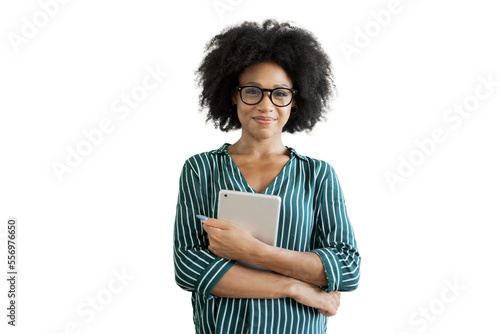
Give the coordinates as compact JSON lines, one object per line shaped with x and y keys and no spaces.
{"x":242,"y":111}
{"x":284,"y":116}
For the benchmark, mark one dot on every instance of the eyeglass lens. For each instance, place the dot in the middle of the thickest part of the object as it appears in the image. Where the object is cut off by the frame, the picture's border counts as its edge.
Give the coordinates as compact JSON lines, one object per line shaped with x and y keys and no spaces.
{"x":253,"y":95}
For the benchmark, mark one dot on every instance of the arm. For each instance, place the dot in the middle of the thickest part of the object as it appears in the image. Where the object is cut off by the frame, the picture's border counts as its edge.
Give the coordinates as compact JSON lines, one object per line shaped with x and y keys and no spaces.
{"x":334,"y":261}
{"x":196,"y":269}
{"x":232,"y":242}
{"x":334,"y":240}
{"x":242,"y":282}
{"x":304,"y":266}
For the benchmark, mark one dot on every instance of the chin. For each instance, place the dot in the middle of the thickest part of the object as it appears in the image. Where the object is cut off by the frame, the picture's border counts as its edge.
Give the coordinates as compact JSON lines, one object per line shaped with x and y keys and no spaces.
{"x":266,"y":134}
{"x":261,"y":132}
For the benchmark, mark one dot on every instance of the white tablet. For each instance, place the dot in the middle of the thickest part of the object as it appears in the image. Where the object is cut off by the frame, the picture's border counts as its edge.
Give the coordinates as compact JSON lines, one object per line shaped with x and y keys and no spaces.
{"x":257,"y":213}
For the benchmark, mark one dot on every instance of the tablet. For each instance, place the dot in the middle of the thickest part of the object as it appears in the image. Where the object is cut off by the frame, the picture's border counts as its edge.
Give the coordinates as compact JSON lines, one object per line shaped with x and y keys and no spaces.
{"x":257,"y":213}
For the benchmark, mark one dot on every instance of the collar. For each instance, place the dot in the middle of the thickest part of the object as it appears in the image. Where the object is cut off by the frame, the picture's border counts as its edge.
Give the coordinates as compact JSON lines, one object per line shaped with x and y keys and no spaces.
{"x":223,"y":150}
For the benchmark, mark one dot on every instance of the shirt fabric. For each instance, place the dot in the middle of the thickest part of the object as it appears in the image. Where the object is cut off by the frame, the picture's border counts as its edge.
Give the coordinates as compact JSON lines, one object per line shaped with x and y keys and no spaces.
{"x":313,"y":218}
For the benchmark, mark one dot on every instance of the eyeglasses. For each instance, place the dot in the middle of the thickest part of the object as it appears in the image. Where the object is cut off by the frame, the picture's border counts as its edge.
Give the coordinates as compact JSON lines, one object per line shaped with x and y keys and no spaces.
{"x":280,"y":97}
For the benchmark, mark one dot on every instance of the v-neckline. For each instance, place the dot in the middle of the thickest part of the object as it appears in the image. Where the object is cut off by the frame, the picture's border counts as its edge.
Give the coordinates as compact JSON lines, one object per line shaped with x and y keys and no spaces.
{"x":244,"y":180}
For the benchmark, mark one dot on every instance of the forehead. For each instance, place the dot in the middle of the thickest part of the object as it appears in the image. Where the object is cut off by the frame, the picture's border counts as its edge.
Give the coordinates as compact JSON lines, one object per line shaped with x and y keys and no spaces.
{"x":265,"y":74}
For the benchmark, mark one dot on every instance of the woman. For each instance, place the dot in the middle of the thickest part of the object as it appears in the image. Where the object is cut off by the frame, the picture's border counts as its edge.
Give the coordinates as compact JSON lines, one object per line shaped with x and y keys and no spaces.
{"x":264,"y":79}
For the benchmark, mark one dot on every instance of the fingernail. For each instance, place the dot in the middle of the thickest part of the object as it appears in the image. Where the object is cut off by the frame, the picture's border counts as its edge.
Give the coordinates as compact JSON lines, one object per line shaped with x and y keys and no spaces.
{"x":201,"y":217}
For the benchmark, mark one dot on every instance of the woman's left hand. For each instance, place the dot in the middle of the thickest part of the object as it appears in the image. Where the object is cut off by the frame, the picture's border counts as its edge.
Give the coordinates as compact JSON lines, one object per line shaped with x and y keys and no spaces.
{"x":229,"y":241}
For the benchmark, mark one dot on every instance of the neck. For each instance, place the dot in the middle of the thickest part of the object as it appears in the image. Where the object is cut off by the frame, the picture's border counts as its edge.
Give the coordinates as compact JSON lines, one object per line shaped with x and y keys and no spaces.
{"x":259,"y":147}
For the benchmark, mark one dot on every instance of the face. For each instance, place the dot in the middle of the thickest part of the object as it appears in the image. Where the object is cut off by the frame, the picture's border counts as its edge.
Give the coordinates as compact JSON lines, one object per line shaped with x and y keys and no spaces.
{"x":263,"y":120}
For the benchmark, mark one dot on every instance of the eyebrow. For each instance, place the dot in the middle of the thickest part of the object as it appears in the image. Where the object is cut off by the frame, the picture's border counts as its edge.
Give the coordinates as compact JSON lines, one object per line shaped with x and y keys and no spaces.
{"x":252,"y":83}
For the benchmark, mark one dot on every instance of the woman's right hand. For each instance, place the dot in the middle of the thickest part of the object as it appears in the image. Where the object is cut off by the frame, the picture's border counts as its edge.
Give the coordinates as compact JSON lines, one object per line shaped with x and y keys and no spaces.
{"x":326,"y":303}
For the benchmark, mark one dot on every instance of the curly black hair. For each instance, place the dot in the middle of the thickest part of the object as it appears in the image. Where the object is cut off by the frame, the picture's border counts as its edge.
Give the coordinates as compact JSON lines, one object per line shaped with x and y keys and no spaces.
{"x":296,"y":50}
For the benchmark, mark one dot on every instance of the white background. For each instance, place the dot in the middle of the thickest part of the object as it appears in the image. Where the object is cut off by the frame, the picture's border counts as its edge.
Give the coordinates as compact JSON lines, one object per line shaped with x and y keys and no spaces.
{"x":115,"y":210}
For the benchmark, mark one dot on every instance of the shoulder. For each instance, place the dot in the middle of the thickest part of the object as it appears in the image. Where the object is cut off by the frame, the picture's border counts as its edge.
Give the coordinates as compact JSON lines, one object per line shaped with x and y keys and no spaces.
{"x":204,"y":160}
{"x":318,"y":166}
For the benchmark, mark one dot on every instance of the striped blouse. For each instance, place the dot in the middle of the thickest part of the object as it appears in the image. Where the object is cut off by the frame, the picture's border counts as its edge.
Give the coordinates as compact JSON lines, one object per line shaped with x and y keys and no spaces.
{"x":313,"y":218}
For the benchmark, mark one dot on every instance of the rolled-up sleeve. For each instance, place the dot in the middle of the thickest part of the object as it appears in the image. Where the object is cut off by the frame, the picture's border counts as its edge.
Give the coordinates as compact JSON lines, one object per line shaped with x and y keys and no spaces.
{"x":196,"y":269}
{"x":334,"y":241}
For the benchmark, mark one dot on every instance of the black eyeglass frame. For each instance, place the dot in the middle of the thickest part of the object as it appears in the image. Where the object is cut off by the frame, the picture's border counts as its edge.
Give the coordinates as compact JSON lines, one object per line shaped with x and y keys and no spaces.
{"x":263,"y":90}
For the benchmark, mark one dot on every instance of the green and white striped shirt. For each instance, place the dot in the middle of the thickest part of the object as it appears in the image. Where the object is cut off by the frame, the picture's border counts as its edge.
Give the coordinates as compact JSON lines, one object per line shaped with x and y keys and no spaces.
{"x":313,"y":218}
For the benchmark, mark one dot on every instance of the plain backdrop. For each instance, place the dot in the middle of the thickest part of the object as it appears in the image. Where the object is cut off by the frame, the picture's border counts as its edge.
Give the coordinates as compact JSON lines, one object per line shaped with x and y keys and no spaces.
{"x":404,"y":70}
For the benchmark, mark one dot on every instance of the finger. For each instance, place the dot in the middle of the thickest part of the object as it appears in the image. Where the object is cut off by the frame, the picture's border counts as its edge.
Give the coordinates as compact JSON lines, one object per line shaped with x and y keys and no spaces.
{"x":211,"y":231}
{"x":326,"y":313}
{"x":207,"y":229}
{"x":336,"y":296}
{"x":210,"y":227}
{"x":331,"y":311}
{"x":334,"y":303}
{"x":215,"y":223}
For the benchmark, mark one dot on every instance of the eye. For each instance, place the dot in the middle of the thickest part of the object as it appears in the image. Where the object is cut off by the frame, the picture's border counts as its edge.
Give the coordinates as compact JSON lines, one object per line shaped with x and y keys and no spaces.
{"x":252,"y":91}
{"x":281,"y":93}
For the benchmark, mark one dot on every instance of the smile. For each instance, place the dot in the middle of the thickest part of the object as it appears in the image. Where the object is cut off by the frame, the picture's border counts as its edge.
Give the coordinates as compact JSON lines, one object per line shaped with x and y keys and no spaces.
{"x":264,"y":120}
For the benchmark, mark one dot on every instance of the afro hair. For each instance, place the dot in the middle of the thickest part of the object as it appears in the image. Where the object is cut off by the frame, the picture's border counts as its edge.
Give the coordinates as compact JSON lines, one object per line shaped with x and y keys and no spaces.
{"x":294,"y":49}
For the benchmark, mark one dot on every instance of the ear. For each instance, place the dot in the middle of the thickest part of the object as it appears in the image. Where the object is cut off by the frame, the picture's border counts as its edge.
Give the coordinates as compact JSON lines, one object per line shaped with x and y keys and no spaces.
{"x":234,"y":97}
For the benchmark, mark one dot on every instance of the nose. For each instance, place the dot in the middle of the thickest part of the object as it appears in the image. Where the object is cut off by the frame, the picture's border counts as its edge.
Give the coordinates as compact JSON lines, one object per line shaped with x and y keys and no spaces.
{"x":265,"y":104}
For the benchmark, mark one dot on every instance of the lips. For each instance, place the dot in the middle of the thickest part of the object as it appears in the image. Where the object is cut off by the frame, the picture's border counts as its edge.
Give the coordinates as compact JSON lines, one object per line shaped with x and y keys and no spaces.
{"x":264,"y":120}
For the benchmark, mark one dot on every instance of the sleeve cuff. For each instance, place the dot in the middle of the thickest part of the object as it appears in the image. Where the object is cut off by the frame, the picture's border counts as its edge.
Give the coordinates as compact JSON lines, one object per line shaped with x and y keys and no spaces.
{"x":331,"y":268}
{"x":212,"y":275}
